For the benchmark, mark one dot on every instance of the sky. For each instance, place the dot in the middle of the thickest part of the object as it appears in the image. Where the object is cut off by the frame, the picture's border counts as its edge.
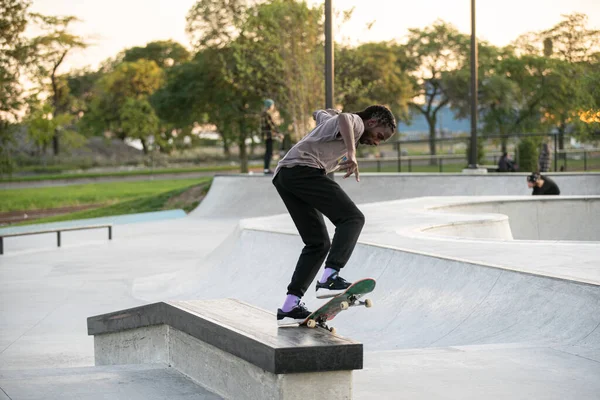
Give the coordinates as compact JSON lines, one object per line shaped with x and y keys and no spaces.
{"x":114,"y":25}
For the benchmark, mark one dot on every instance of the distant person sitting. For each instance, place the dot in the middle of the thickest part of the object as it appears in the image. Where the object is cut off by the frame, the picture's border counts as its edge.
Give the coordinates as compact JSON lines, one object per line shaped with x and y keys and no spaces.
{"x":542,"y":185}
{"x":506,"y":164}
{"x":545,"y":157}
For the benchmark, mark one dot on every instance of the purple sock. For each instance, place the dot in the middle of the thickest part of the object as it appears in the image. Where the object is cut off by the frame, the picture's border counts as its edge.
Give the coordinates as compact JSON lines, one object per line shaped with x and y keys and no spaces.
{"x":326,"y":274}
{"x":290,"y":302}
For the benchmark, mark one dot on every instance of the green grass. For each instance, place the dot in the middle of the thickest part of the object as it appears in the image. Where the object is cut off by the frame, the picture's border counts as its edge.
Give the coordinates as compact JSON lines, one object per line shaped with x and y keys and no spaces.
{"x":163,"y":171}
{"x":145,"y":204}
{"x":102,"y":194}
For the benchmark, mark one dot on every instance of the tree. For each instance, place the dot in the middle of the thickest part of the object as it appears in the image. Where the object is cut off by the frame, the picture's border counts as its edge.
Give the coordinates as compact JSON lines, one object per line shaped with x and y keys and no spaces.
{"x":570,"y":40}
{"x":372,"y":74}
{"x":135,"y":80}
{"x":429,"y":54}
{"x":194,"y":92}
{"x":262,"y":50}
{"x":165,"y":53}
{"x":41,"y":125}
{"x":50,"y":51}
{"x":511,"y":95}
{"x":13,"y":53}
{"x":280,"y":48}
{"x":138,"y":121}
{"x":214,"y":23}
{"x":566,"y":95}
{"x":590,"y":117}
{"x":13,"y":56}
{"x":498,"y":95}
{"x":570,"y":48}
{"x":81,"y":85}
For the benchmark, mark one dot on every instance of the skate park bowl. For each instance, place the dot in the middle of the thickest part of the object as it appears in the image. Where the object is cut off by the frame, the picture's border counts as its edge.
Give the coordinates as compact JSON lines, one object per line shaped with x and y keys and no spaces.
{"x":539,"y":218}
{"x":483,"y":291}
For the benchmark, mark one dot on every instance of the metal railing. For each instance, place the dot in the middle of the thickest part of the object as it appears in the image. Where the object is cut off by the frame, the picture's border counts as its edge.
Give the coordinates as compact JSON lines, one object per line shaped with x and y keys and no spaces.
{"x":58,"y":233}
{"x":562,"y":160}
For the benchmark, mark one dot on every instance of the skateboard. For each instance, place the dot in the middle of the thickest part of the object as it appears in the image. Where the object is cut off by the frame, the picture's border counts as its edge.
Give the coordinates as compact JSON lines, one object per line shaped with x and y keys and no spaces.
{"x":342,"y":301}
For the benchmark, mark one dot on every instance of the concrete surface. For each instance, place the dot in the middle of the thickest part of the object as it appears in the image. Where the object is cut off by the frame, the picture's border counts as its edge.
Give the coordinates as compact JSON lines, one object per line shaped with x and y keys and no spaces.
{"x":541,"y":217}
{"x":127,"y":382}
{"x":229,"y":194}
{"x":454,"y":316}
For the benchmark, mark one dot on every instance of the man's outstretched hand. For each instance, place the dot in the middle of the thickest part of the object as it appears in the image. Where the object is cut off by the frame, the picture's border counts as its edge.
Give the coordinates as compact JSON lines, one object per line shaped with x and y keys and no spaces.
{"x":350,"y":165}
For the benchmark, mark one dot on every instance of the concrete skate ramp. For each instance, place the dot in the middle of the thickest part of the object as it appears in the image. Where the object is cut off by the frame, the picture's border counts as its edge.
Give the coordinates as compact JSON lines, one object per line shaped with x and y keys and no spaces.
{"x":420,"y":300}
{"x":535,"y":218}
{"x":243,"y":196}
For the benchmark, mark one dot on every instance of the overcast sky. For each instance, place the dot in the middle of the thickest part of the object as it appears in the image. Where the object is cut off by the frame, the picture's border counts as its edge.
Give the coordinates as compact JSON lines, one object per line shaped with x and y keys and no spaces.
{"x":114,"y":25}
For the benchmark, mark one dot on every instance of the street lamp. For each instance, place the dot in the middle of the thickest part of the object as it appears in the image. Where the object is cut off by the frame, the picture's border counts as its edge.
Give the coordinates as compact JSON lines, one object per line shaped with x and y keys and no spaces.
{"x":329,"y":59}
{"x":473,"y":153}
{"x":328,"y":54}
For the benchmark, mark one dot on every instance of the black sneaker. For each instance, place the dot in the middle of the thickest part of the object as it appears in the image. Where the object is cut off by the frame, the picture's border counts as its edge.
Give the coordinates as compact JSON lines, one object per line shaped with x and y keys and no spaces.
{"x":334,"y":285}
{"x":295,"y":316}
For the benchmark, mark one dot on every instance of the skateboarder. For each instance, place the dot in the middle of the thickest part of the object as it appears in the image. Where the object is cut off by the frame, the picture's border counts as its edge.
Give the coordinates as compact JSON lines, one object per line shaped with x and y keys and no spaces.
{"x":308,"y":193}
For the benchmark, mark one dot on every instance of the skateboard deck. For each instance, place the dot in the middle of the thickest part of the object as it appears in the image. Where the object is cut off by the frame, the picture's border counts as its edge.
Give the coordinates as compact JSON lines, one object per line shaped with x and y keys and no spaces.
{"x":340,"y":302}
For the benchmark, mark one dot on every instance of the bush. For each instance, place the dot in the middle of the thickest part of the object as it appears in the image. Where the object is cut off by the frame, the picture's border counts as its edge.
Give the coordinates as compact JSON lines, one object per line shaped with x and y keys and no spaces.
{"x":528,"y":155}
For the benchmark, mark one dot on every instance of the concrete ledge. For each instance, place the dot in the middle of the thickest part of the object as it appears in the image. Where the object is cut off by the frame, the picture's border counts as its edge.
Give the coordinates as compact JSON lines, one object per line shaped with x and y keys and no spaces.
{"x":232,"y":348}
{"x":243,"y":330}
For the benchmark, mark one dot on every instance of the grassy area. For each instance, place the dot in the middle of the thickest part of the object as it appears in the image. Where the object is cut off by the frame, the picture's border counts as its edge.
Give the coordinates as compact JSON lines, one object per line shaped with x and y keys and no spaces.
{"x":157,"y":202}
{"x":101,"y":194}
{"x":47,"y":177}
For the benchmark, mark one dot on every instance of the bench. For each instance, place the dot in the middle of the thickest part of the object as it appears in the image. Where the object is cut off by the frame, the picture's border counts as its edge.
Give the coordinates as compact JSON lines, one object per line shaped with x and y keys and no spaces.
{"x":232,"y":348}
{"x":58,"y":232}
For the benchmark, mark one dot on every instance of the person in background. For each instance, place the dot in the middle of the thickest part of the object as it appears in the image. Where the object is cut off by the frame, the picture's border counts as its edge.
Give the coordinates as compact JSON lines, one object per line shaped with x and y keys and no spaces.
{"x":544,"y":158}
{"x":506,"y":164}
{"x":269,"y":132}
{"x":542,"y":185}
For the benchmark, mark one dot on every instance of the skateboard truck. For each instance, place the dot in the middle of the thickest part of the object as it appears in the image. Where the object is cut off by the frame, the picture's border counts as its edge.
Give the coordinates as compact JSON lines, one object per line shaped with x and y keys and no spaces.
{"x":353,"y":302}
{"x":343,"y":301}
{"x":344,"y":305}
{"x":321,"y":323}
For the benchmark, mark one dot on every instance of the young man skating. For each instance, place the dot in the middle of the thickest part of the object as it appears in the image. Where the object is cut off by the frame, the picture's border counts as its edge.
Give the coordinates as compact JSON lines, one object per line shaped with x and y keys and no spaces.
{"x":308,"y":193}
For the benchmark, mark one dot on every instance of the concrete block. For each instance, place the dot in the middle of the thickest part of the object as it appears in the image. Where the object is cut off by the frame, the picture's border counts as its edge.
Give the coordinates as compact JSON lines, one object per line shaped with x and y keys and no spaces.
{"x":146,"y":345}
{"x":234,"y":378}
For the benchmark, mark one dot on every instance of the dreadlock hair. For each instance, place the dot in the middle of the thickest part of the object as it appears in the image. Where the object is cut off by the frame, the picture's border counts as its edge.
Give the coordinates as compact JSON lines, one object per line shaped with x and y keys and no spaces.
{"x":381,"y":114}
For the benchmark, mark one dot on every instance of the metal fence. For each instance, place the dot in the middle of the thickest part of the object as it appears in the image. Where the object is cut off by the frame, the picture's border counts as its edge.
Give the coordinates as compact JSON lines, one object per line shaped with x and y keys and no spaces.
{"x":413,"y":155}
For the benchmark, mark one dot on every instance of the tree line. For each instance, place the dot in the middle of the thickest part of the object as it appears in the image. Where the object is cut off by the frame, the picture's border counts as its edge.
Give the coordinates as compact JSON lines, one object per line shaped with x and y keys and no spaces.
{"x":243,"y":51}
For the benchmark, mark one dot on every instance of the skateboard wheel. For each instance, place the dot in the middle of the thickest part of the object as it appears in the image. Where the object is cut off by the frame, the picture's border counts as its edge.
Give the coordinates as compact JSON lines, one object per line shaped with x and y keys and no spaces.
{"x":332,"y":330}
{"x":344,"y":305}
{"x":311,"y":323}
{"x":368,"y":303}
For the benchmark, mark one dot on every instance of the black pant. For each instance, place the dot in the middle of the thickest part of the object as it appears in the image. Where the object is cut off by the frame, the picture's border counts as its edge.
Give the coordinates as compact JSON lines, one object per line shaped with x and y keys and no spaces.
{"x":268,"y":153}
{"x":309,"y":194}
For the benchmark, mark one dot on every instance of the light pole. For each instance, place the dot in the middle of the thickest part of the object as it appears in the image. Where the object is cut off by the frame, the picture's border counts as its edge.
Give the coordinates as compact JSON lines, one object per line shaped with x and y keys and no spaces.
{"x":329,"y":59}
{"x":473,"y":153}
{"x":328,"y":54}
